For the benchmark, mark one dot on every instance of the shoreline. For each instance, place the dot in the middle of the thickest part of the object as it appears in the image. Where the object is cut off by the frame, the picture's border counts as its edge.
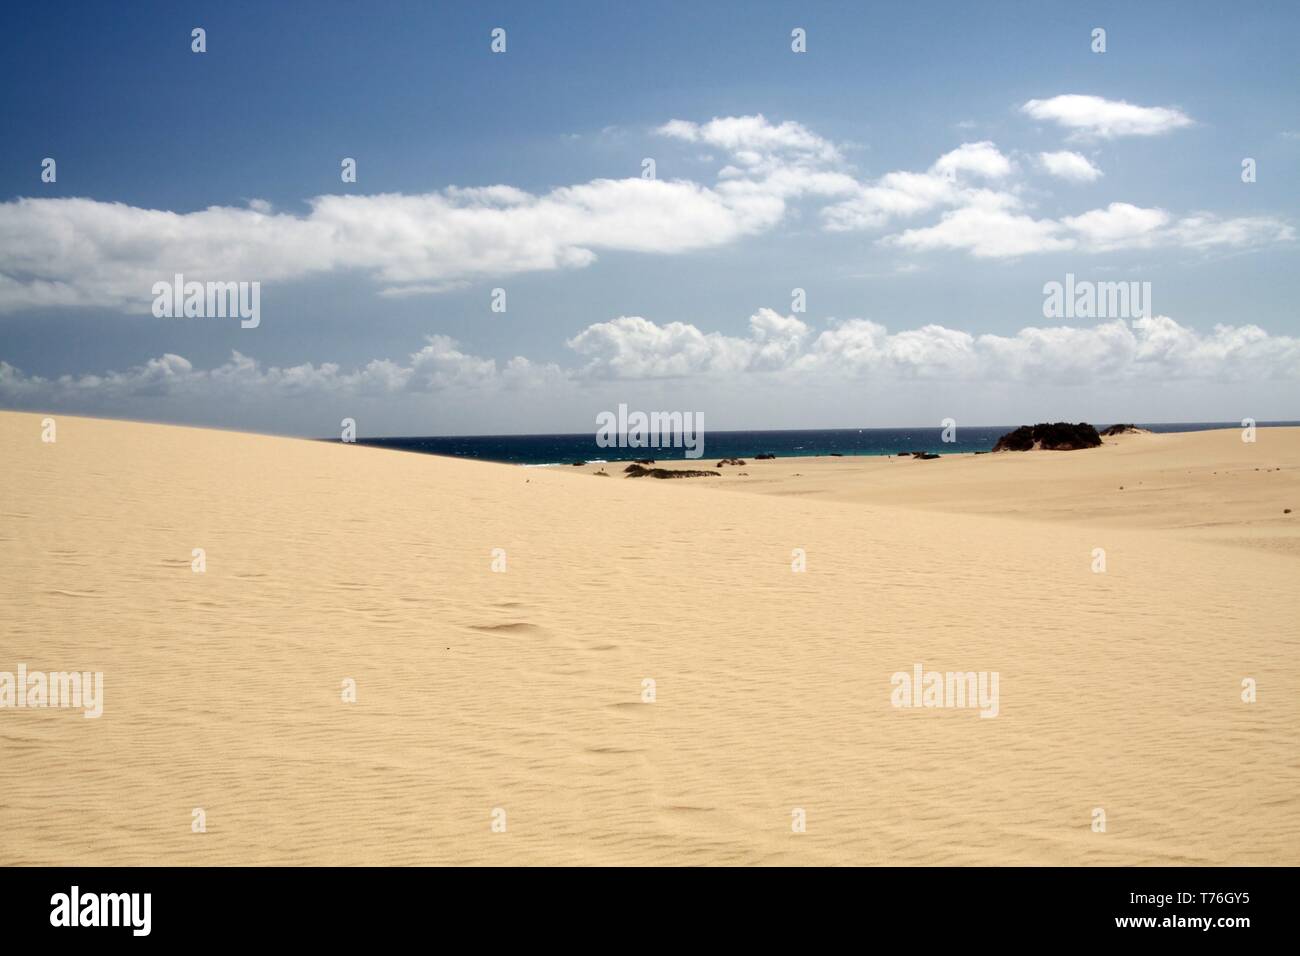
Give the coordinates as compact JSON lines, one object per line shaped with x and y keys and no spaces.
{"x":737,"y":444}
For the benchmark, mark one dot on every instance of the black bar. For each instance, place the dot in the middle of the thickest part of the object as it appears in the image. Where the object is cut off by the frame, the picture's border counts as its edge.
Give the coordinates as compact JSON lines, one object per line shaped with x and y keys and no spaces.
{"x":329,"y":906}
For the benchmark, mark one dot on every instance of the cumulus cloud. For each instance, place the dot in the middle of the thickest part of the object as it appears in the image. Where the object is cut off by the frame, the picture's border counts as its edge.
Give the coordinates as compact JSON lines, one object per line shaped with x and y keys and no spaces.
{"x":1120,"y":225}
{"x":633,"y":349}
{"x":993,"y":232}
{"x":636,"y":348}
{"x":1096,"y":116}
{"x":902,"y":194}
{"x":1125,"y":226}
{"x":768,"y":162}
{"x":986,"y":232}
{"x":1072,"y":167}
{"x":981,"y":212}
{"x":753,"y":137}
{"x":83,"y":252}
{"x":438,"y":366}
{"x":979,"y":159}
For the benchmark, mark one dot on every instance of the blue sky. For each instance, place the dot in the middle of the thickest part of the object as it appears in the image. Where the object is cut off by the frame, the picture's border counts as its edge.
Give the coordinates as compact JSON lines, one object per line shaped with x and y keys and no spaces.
{"x":679,"y":297}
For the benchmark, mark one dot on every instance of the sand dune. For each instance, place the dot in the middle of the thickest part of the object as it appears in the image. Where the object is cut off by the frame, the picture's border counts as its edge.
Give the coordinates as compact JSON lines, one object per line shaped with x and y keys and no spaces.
{"x":522,"y":690}
{"x":1210,"y":484}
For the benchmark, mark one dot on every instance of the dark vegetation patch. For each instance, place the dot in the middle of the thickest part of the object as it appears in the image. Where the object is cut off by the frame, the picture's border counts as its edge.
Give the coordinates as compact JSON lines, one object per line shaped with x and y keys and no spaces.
{"x":639,"y":471}
{"x":1059,"y":436}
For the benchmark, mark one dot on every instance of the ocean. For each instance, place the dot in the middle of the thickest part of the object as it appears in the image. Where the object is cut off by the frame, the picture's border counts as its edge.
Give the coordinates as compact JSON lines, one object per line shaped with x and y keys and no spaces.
{"x":792,"y":443}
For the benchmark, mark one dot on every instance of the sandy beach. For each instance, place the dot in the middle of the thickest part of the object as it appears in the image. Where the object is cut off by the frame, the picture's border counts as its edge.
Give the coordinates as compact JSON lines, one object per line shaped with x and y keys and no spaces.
{"x":516,"y":700}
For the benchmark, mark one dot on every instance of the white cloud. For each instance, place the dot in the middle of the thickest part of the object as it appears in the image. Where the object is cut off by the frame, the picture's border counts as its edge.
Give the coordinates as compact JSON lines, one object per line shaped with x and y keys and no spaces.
{"x":902,"y":194}
{"x":438,"y":366}
{"x":1120,"y":225}
{"x":896,"y":194}
{"x":1204,"y":230}
{"x":1095,"y":116}
{"x":636,"y":348}
{"x":632,"y":349}
{"x":753,"y":137}
{"x":979,"y":159}
{"x":859,"y":347}
{"x":990,"y":231}
{"x":768,"y":162}
{"x":1072,"y":167}
{"x":1125,"y":226}
{"x":993,"y":223}
{"x":986,"y":233}
{"x":83,"y":252}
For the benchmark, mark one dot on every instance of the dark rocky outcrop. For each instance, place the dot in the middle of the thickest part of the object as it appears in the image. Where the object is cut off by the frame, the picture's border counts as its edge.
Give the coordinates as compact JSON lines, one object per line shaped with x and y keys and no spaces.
{"x":766,"y":456}
{"x":638,"y":471}
{"x":730,"y":461}
{"x":644,"y":461}
{"x":1059,"y":436}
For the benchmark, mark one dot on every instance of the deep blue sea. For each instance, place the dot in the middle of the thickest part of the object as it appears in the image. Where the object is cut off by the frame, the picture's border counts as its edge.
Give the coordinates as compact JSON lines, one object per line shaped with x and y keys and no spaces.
{"x":566,"y":449}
